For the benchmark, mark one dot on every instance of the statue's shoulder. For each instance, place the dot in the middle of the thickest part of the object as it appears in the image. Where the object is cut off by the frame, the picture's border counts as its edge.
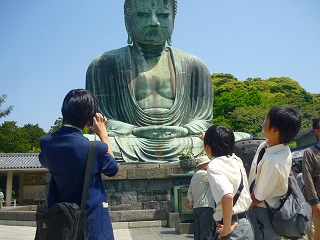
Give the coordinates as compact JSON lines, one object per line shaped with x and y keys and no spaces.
{"x":111,"y":55}
{"x":185,"y":55}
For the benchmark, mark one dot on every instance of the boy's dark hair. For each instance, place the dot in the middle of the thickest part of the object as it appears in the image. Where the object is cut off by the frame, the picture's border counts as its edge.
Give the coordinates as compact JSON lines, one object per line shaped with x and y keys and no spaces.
{"x":220,"y":139}
{"x":79,"y":107}
{"x":286,"y":120}
{"x":316,"y":123}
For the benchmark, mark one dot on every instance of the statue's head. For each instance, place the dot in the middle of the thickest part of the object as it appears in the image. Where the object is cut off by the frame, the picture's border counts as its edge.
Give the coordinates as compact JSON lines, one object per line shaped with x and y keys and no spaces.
{"x":150,"y":21}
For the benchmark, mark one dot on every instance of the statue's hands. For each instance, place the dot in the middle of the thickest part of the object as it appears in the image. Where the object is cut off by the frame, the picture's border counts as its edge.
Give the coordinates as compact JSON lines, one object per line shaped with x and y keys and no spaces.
{"x":160,"y":132}
{"x":118,"y":128}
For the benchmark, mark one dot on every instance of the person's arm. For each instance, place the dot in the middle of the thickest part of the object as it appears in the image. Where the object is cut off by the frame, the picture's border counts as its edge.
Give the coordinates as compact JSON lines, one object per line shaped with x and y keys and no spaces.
{"x":255,"y":201}
{"x":307,"y":170}
{"x":189,"y":198}
{"x":99,"y":128}
{"x":227,"y":210}
{"x":202,"y":134}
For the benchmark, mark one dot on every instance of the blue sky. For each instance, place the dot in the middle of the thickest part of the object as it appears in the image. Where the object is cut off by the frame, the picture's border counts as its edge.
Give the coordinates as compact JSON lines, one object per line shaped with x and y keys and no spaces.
{"x":46,"y":46}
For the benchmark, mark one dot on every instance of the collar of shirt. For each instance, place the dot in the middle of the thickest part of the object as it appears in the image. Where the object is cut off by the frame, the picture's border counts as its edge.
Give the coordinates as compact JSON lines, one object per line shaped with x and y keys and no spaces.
{"x":68,"y":125}
{"x":276,"y":148}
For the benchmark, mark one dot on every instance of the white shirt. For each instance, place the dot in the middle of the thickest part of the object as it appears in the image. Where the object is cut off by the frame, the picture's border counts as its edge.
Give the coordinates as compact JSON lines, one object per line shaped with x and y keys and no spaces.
{"x":271,"y":179}
{"x":224,"y":177}
{"x":199,"y":190}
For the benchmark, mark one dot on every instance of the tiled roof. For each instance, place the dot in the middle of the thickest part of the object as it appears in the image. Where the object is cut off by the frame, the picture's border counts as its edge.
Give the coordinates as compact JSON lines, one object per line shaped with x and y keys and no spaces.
{"x":303,"y":133}
{"x":298,"y":154}
{"x":19,"y":161}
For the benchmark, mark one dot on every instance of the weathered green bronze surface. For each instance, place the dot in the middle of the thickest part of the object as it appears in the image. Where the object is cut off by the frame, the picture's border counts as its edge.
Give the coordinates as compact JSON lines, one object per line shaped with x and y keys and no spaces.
{"x":156,"y":98}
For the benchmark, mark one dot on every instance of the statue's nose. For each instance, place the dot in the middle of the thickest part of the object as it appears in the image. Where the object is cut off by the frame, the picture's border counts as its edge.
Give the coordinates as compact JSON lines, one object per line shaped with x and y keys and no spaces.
{"x":154,"y":20}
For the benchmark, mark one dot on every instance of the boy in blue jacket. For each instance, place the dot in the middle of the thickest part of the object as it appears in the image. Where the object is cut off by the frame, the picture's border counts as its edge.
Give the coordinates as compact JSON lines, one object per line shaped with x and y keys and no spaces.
{"x":65,"y":152}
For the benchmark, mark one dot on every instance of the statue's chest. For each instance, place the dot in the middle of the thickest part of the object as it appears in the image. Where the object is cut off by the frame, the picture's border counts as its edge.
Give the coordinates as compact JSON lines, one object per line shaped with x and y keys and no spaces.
{"x":157,"y":80}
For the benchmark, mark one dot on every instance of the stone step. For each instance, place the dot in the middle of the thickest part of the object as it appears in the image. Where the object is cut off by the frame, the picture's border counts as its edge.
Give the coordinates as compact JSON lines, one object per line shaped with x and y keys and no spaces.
{"x":121,"y":219}
{"x":138,"y":215}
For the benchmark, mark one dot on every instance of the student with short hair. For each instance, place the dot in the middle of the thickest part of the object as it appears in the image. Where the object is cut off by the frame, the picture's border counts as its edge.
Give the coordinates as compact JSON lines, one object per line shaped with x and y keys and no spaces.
{"x":226,"y":173}
{"x":310,"y":175}
{"x":64,"y":153}
{"x":271,"y":166}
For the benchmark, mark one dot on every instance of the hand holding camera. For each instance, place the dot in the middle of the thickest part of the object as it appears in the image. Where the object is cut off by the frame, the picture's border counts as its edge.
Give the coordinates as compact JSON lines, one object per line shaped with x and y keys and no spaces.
{"x":98,"y":125}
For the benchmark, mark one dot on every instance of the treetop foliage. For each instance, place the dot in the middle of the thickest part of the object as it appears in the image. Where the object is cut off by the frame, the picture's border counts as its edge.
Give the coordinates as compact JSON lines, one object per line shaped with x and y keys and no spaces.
{"x":243,"y":105}
{"x":6,"y":111}
{"x":20,"y":140}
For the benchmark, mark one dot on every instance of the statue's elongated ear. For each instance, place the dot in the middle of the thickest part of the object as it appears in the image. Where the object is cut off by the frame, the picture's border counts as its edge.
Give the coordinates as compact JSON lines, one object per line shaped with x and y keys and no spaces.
{"x":129,"y":40}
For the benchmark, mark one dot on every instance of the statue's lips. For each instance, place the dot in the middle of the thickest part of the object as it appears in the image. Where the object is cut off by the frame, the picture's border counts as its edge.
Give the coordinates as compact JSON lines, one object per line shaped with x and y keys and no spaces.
{"x":153,"y":35}
{"x":152,"y":32}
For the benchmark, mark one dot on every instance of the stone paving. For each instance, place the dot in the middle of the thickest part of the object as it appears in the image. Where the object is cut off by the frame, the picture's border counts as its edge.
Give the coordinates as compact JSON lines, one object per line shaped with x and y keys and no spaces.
{"x":151,"y":233}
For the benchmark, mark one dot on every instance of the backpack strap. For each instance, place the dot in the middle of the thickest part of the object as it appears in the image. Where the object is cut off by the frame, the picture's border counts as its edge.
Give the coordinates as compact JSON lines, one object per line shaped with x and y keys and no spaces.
{"x":282,"y":200}
{"x":87,"y":179}
{"x":317,"y":146}
{"x":261,"y":153}
{"x":237,"y":195}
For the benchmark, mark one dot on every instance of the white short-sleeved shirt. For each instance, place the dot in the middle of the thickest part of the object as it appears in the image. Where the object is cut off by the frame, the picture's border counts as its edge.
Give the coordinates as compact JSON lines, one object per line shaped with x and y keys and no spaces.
{"x":271,"y":178}
{"x":224,"y":177}
{"x":199,"y":190}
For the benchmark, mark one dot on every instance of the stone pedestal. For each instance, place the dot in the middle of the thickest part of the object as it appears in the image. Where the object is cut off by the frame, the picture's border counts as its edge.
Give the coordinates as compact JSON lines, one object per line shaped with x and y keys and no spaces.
{"x":142,"y":192}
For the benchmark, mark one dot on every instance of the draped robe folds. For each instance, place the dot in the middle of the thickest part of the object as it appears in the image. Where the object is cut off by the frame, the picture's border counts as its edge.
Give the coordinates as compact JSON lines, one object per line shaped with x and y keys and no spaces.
{"x":109,"y":77}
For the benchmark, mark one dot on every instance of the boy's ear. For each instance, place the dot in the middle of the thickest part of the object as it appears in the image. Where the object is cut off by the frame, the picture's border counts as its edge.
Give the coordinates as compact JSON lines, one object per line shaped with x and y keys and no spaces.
{"x":207,"y":149}
{"x":316,"y":132}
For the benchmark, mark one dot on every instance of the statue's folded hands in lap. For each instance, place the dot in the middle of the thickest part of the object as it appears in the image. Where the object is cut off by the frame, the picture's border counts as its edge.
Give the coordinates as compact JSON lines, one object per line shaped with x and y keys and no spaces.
{"x":156,"y":98}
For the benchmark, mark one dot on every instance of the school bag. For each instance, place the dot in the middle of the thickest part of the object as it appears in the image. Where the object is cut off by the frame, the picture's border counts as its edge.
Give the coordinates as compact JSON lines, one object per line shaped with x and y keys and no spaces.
{"x":67,"y":221}
{"x":293,"y":217}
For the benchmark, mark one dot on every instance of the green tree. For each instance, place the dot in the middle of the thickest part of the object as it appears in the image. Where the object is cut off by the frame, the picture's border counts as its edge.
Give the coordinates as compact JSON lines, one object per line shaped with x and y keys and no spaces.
{"x":57,"y":125}
{"x":6,"y":111}
{"x":34,"y":133}
{"x":13,"y":139}
{"x":243,"y":105}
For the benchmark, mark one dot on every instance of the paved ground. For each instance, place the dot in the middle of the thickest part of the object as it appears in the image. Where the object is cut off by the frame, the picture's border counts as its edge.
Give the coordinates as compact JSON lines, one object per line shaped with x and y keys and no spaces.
{"x":150,"y":233}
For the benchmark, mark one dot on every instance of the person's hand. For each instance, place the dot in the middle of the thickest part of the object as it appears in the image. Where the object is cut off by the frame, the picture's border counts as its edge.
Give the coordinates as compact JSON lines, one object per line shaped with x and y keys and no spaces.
{"x":225,"y":230}
{"x":202,"y":133}
{"x":99,"y":125}
{"x":254,"y":202}
{"x":99,"y":128}
{"x":316,"y":208}
{"x":190,"y":205}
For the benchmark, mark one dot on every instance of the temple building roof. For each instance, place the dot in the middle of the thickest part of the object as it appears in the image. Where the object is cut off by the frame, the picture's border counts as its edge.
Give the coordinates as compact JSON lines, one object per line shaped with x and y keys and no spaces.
{"x":20,"y":161}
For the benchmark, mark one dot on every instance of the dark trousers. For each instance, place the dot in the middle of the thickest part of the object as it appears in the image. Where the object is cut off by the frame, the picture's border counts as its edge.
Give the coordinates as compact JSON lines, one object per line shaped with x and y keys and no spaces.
{"x":203,"y":221}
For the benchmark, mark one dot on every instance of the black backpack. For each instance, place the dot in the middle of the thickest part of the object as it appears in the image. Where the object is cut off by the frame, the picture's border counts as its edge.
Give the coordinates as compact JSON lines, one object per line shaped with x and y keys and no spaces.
{"x":63,"y":221}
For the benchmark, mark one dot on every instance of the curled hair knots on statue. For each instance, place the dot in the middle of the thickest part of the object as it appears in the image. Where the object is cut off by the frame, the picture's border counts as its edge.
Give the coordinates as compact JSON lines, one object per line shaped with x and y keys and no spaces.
{"x":127,"y":6}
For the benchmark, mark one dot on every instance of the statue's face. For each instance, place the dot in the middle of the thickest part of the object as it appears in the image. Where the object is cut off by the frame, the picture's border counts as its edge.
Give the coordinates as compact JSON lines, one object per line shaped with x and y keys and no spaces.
{"x":150,"y":21}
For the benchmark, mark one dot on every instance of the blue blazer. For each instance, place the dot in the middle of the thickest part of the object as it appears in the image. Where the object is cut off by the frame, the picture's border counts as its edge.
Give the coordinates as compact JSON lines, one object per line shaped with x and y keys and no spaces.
{"x":64,"y":153}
